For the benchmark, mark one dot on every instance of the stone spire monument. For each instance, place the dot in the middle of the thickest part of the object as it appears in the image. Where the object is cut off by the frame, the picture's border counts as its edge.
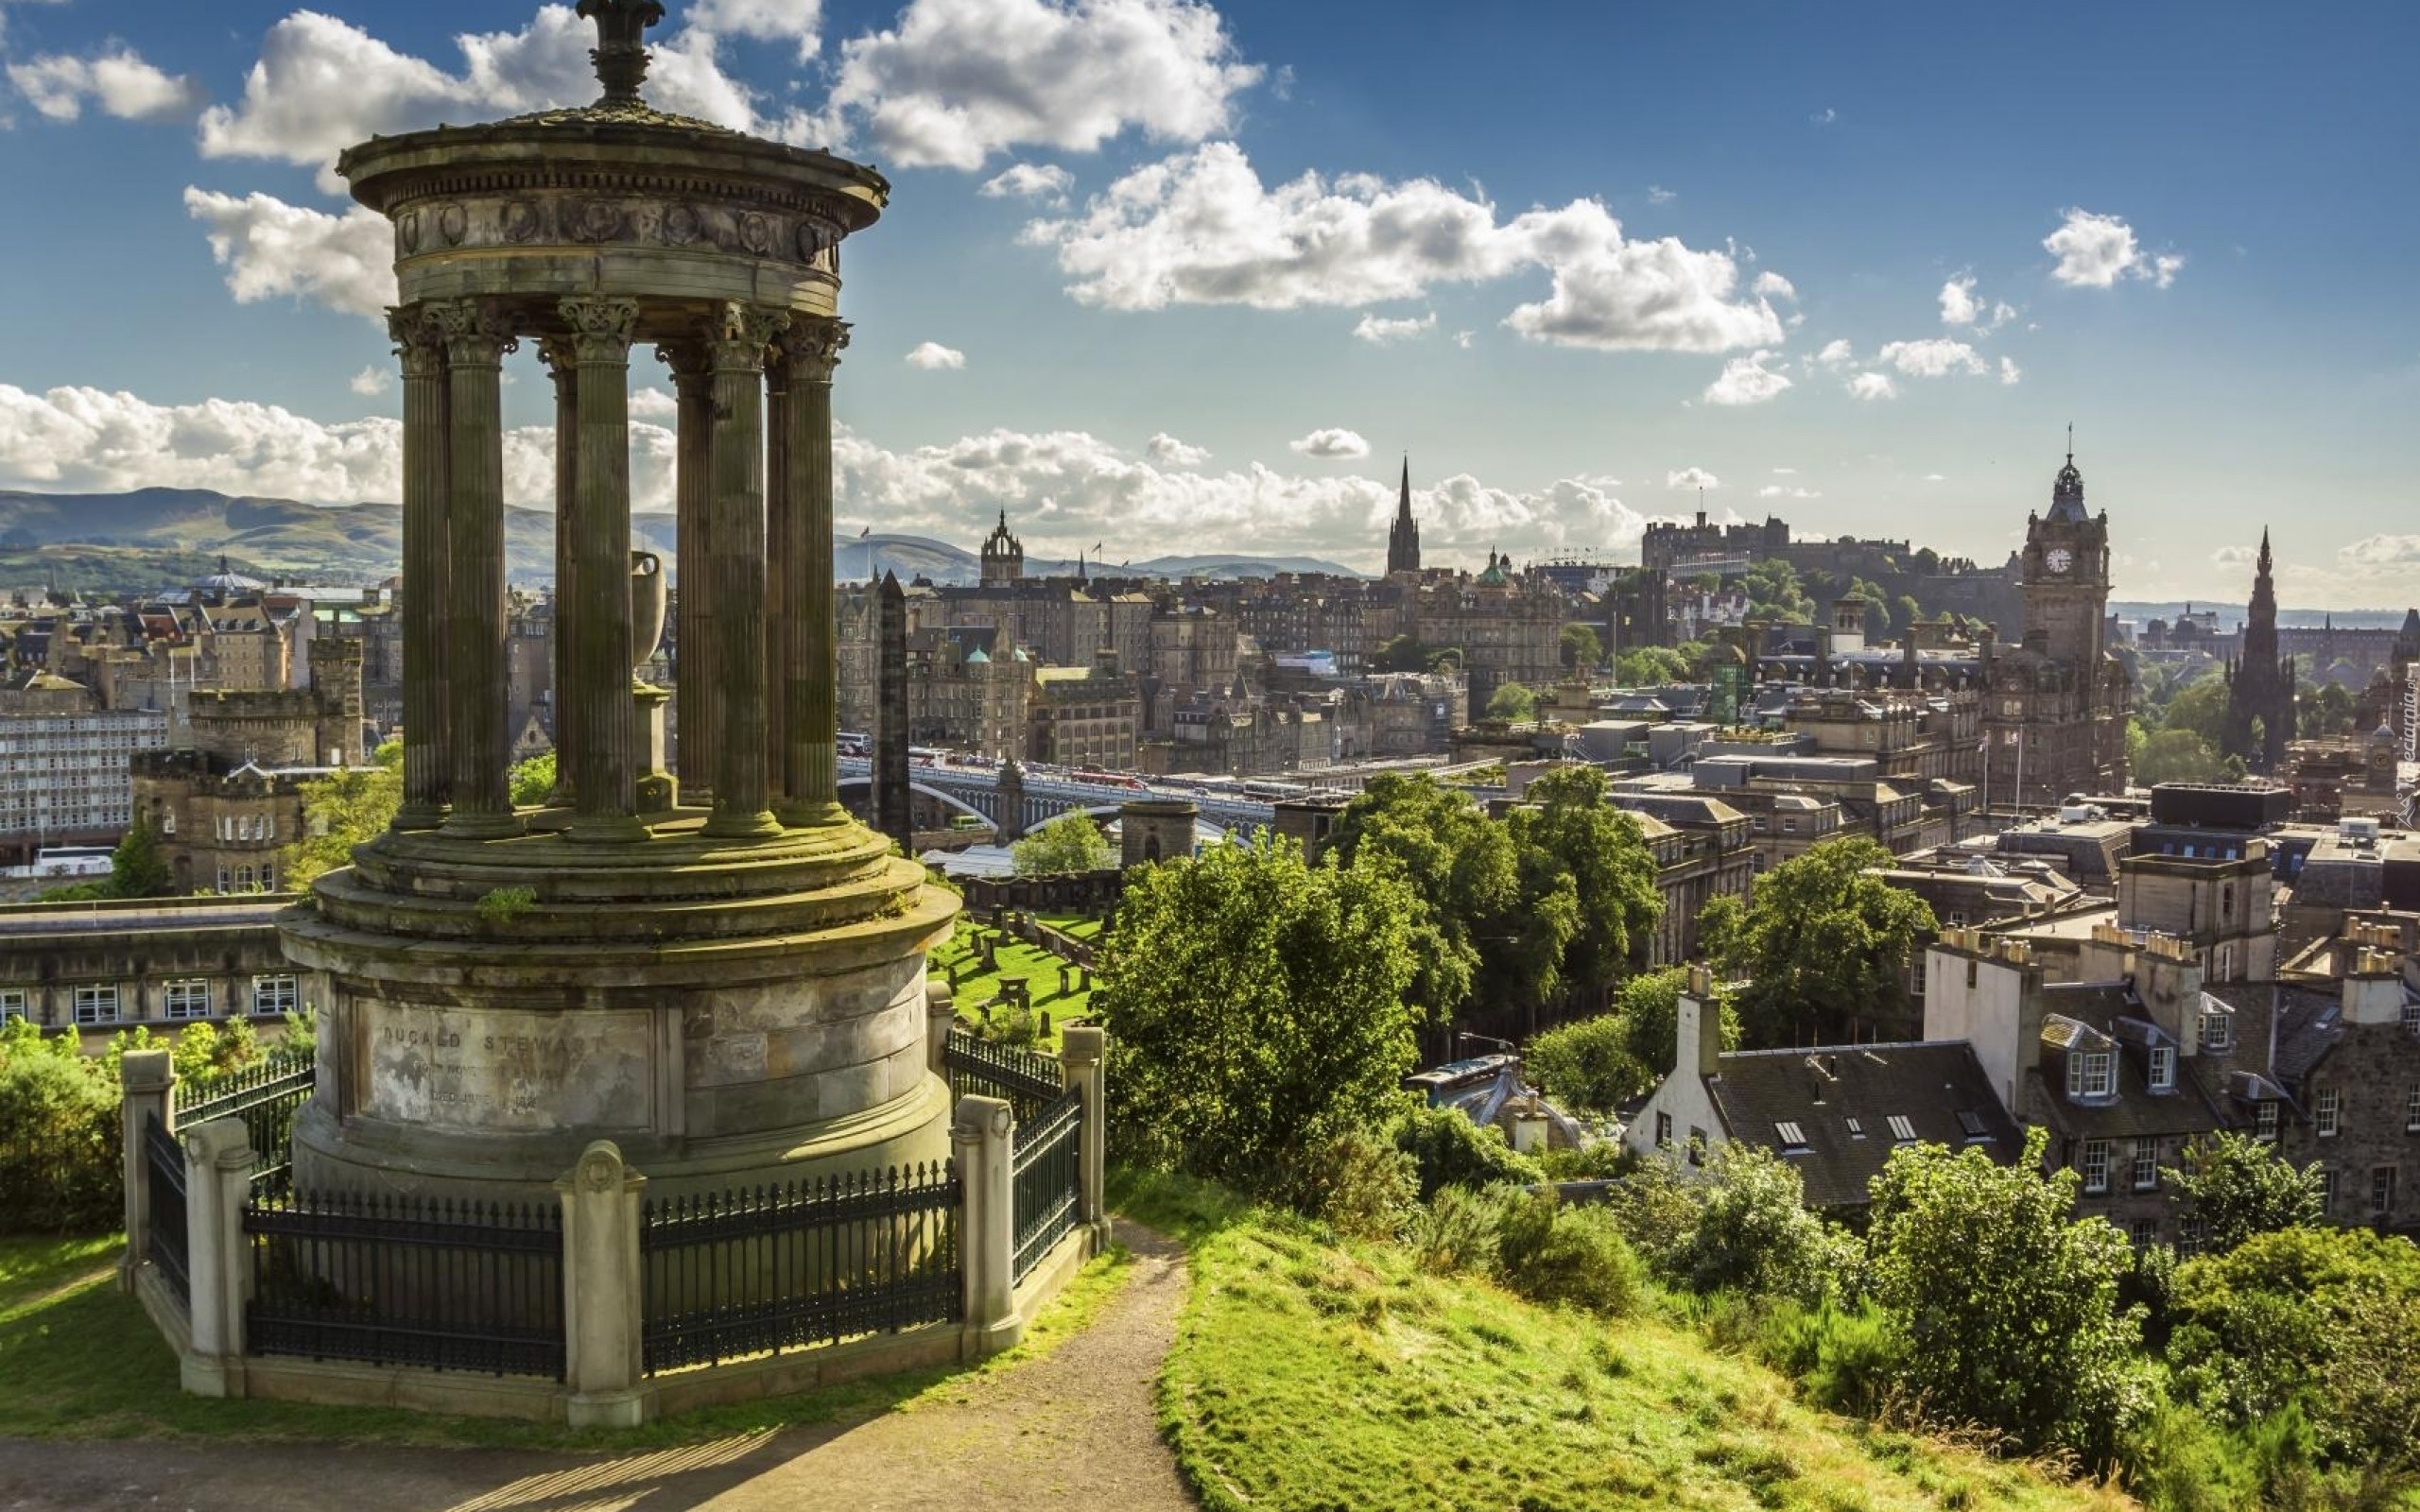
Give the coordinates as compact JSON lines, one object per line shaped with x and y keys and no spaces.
{"x":723,"y":973}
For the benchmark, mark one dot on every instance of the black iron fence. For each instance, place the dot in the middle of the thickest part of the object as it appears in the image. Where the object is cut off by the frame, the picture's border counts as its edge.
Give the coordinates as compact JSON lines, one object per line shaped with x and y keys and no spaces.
{"x":1047,"y":1178}
{"x":164,"y":1162}
{"x":1027,"y":1081}
{"x":744,"y":1273}
{"x":399,"y":1280}
{"x":266,"y":1097}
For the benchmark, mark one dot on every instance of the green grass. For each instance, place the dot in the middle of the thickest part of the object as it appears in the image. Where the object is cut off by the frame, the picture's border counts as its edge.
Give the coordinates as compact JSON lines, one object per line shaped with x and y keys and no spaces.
{"x":1037,"y":966}
{"x":78,"y":1359}
{"x":1313,"y":1375}
{"x":1082,"y":926}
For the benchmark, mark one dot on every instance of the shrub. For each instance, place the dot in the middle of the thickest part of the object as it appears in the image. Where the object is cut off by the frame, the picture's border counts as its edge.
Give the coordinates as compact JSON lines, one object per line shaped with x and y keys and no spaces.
{"x":1753,"y":1232}
{"x":1451,"y":1151}
{"x":1844,"y":1358}
{"x":1551,"y":1252}
{"x":1657,"y":1212}
{"x":60,"y":1159}
{"x":1360,"y":1184}
{"x":1457,"y":1230}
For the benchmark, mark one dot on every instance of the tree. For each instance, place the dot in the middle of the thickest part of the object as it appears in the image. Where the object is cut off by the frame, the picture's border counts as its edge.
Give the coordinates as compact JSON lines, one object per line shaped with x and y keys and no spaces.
{"x":1753,"y":1232}
{"x":1582,"y":648}
{"x":1071,"y":842}
{"x":1402,"y":654}
{"x":2005,"y":1308}
{"x":2201,"y":707}
{"x":1511,"y":702}
{"x":1773,"y":592}
{"x":136,"y":867}
{"x":340,"y":811}
{"x":1651,"y":666}
{"x":1259,"y":1008}
{"x":1588,"y":1066}
{"x":1462,"y":867}
{"x":1823,"y":945}
{"x":1565,"y":821}
{"x":2173,"y":756}
{"x":532,"y":782}
{"x":2237,"y":1187}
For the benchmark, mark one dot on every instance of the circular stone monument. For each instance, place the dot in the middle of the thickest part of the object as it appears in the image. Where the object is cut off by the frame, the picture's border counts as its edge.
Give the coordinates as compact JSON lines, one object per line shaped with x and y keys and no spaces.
{"x":722,"y":973}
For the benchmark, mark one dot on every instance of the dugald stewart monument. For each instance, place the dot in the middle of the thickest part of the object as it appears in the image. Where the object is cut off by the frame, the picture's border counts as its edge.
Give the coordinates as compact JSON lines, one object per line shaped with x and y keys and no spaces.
{"x":723,"y":975}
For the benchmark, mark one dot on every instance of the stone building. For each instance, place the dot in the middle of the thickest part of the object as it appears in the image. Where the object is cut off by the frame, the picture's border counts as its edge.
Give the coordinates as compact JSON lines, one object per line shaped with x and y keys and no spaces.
{"x":98,"y":967}
{"x":1086,"y":717}
{"x":2261,"y":682}
{"x":63,"y":764}
{"x":2347,"y":1031}
{"x":1702,"y":852}
{"x":969,"y":690}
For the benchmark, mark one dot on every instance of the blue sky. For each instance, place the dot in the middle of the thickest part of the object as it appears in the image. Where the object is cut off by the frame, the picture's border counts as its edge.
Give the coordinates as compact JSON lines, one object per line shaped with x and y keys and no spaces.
{"x":1856,"y":265}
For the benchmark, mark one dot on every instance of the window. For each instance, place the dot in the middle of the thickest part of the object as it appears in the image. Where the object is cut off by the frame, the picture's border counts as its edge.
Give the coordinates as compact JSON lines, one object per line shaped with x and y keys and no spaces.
{"x":1971,"y":1124}
{"x":2327,"y":1188}
{"x":1697,"y":1145}
{"x":2094,"y":1162}
{"x":2226,"y":901}
{"x":1902,"y":1128}
{"x":2189,"y":1235}
{"x":1663,"y":1131}
{"x":96,"y":1002}
{"x":275,"y":994}
{"x":186,"y":999}
{"x":2091,"y":1073}
{"x":2327,"y":1112}
{"x":1856,"y":1126}
{"x":2146,"y":1171}
{"x":2411,"y":1016}
{"x":2411,"y":1110}
{"x":2163,"y":1072}
{"x":2382,"y":1189}
{"x":2218,"y":1031}
{"x":2144,"y":1233}
{"x":13,"y":1003}
{"x":2264,"y":1127}
{"x":1793,"y":1138}
{"x":1970,"y":976}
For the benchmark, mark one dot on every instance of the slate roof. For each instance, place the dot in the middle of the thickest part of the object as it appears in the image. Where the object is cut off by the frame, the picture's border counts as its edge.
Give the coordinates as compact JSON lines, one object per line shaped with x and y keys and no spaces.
{"x":1929,"y":1083}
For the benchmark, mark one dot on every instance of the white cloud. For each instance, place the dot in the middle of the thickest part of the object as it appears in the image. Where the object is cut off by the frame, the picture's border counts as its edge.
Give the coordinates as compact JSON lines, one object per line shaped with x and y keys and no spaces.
{"x":1331,"y":441}
{"x":1936,"y":477}
{"x":120,"y":83}
{"x":932,"y":356}
{"x":2010,"y":371}
{"x":1871,"y":385}
{"x":1380,"y":330}
{"x":1932,"y":357}
{"x":1775,"y":490}
{"x":1773,"y":285}
{"x":1836,"y":353}
{"x":271,"y":249}
{"x":654,"y":403}
{"x":1824,"y":116}
{"x":1168,"y":449}
{"x":1746,"y":381}
{"x":371,"y":381}
{"x":1958,"y":306}
{"x":765,"y":20}
{"x":1692,"y":478}
{"x":954,"y":81}
{"x":1201,"y":228}
{"x":1658,"y":195}
{"x":1045,"y":181}
{"x":1785,"y":472}
{"x":2095,"y":251}
{"x":1462,"y":340}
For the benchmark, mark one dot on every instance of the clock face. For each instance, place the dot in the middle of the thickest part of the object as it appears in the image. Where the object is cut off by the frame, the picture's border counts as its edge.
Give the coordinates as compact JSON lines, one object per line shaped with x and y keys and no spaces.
{"x":2058,"y":558}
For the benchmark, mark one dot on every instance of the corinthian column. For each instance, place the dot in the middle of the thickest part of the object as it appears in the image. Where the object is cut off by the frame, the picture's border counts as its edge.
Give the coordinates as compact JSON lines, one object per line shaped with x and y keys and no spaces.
{"x":476,"y":338}
{"x":594,"y":697}
{"x":427,"y":773}
{"x":563,"y":367}
{"x":780,"y":503}
{"x":735,"y":558}
{"x":694,"y":711}
{"x":806,"y":661}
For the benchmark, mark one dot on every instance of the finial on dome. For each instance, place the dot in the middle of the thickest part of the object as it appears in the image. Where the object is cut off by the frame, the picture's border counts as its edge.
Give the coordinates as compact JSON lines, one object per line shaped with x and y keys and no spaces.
{"x":620,"y":54}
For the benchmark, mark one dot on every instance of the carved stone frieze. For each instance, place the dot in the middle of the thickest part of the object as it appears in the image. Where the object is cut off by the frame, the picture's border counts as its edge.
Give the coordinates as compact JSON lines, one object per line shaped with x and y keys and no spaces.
{"x":534,"y":221}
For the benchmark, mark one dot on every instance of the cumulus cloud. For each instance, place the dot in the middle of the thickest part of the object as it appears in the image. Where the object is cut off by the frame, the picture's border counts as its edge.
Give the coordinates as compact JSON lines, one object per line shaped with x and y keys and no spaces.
{"x":1872,"y":386}
{"x":1166,"y":449}
{"x":1658,"y":195}
{"x":1045,"y":181}
{"x":271,"y":249}
{"x":765,"y":20}
{"x":119,"y":82}
{"x":1746,"y":381}
{"x":1691,"y":477}
{"x":1331,"y":441}
{"x":1380,"y":330}
{"x":1836,"y":353}
{"x":2095,"y":251}
{"x":1773,"y":285}
{"x":654,"y":403}
{"x":1201,"y":228}
{"x":1958,"y":306}
{"x":1775,"y":491}
{"x":954,"y":81}
{"x":371,"y":381}
{"x":1933,"y":357}
{"x":2010,"y":371}
{"x":932,"y":356}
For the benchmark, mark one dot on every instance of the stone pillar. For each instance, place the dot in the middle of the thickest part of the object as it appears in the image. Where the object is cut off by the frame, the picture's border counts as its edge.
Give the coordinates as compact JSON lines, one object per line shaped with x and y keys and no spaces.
{"x":218,"y":1182}
{"x":476,"y":338}
{"x":602,"y":1284}
{"x":736,"y":561}
{"x":593,"y":709}
{"x":426,"y":592}
{"x":808,"y":666}
{"x":148,"y":1089}
{"x":780,"y":505}
{"x":983,"y":1129}
{"x":941,"y":1017}
{"x":562,"y":365}
{"x":1082,"y":1052}
{"x":694,"y":708}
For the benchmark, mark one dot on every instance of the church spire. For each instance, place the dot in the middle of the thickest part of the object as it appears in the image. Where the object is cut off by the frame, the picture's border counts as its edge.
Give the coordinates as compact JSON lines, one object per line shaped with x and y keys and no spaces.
{"x":1403,"y":539}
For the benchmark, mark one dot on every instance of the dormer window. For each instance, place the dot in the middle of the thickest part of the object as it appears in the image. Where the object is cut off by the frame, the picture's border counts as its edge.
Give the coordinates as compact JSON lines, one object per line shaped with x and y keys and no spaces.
{"x":2218,"y":1031}
{"x":2091,"y":1073}
{"x":2163,"y":1069}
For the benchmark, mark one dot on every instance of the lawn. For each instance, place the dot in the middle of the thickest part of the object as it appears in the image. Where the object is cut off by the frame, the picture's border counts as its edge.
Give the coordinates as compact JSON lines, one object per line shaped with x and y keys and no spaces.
{"x":1037,"y":966}
{"x":79,"y":1360}
{"x":1313,"y":1375}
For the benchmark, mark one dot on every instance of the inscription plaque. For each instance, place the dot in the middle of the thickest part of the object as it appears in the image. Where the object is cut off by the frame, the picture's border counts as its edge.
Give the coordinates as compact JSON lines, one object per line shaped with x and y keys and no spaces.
{"x":486,"y":1069}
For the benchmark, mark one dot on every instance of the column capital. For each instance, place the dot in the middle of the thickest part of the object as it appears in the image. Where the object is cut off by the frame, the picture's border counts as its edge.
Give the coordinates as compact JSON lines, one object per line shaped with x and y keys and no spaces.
{"x":475,"y":332}
{"x":600,"y":328}
{"x":736,"y":338}
{"x":417,"y":340}
{"x":562,"y":356}
{"x":811,"y":348}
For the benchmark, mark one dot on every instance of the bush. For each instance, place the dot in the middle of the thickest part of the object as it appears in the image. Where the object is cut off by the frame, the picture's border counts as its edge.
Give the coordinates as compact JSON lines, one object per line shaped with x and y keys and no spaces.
{"x":1656,"y":1210}
{"x":1551,"y":1252}
{"x":60,"y":1162}
{"x":1755,"y":1234}
{"x":1457,"y":1230}
{"x":1451,"y":1151}
{"x":1843,"y":1359}
{"x":1361,"y":1185}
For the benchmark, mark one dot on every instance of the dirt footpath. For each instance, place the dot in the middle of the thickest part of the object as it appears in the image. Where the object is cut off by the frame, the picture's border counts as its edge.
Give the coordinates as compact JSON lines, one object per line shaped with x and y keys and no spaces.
{"x":1076,"y":1425}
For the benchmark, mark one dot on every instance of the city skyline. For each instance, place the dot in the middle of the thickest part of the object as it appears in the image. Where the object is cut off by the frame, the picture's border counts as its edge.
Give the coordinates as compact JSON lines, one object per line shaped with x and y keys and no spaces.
{"x":1162,"y":273}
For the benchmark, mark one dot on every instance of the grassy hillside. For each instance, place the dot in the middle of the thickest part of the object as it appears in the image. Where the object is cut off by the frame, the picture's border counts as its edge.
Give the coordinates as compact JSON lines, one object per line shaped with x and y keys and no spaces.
{"x":1308,"y":1374}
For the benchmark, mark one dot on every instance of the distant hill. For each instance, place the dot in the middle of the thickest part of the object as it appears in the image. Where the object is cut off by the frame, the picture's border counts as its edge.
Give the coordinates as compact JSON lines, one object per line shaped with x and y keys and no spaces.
{"x":938,"y":561}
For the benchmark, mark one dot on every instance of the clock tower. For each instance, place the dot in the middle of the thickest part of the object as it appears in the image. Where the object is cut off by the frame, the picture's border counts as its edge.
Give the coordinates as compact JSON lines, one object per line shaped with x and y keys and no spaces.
{"x":2067,"y":574}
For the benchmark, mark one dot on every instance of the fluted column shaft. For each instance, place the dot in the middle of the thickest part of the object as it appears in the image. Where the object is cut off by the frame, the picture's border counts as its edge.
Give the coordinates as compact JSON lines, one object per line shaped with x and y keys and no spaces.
{"x":476,"y":338}
{"x":781,"y":503}
{"x":694,"y":712}
{"x":595,"y":701}
{"x":427,"y":772}
{"x":563,"y":367}
{"x":806,"y":667}
{"x":735,"y":558}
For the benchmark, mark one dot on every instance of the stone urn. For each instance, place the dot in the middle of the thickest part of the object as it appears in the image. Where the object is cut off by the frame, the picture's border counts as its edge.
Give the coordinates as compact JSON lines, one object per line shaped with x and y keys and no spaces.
{"x":649,"y":598}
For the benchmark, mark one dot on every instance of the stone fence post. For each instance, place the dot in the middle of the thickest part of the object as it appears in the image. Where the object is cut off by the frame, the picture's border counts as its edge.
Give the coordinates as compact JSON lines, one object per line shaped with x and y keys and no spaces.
{"x":941,"y":1017}
{"x":147,"y":1086}
{"x":218,"y":1182}
{"x":1081,"y":1052}
{"x":603,"y":1316}
{"x":984,"y":1130}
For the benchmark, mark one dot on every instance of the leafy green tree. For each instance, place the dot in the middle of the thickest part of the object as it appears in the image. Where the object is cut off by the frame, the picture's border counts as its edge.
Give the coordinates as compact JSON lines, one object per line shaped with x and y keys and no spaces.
{"x":60,"y":1168}
{"x":2237,"y":1187}
{"x":2326,"y":710}
{"x":2003,"y":1305}
{"x":1260,"y":1009}
{"x":340,"y":811}
{"x":1449,"y":1150}
{"x":1823,"y":945}
{"x":1755,"y":1234}
{"x":2173,"y":756}
{"x":1587,"y":1066}
{"x":1582,"y":648}
{"x":1402,"y":654}
{"x":1513,"y":702}
{"x":1775,"y":592}
{"x":2201,"y":707}
{"x":1565,"y":821}
{"x":387,"y":756}
{"x":137,"y":870}
{"x":532,"y":782}
{"x":1651,"y":666}
{"x":1071,"y":842}
{"x":1462,"y":867}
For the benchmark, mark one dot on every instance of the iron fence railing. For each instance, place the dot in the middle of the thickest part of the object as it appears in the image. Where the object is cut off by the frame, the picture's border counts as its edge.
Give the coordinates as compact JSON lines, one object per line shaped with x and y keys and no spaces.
{"x":736,"y":1274}
{"x":402,"y":1280}
{"x":1047,"y":1178}
{"x":1027,"y":1080}
{"x":164,"y":1162}
{"x":266,"y":1097}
